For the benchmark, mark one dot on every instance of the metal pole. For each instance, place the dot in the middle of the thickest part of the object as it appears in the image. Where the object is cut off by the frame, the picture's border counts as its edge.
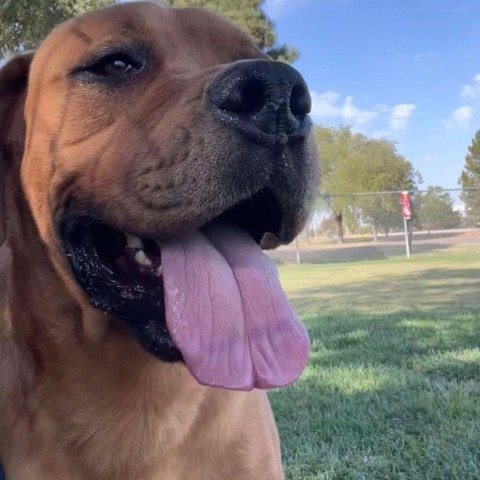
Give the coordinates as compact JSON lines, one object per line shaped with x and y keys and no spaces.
{"x":407,"y":239}
{"x":297,"y":253}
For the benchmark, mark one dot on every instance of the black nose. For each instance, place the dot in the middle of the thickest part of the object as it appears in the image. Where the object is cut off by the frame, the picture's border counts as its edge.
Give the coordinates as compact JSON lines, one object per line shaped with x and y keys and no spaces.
{"x":268,"y":102}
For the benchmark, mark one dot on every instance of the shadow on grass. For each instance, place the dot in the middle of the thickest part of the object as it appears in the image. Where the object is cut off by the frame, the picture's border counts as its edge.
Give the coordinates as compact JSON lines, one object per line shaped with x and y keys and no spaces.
{"x":402,"y":339}
{"x":424,"y":236}
{"x":441,"y":290}
{"x":437,"y":310}
{"x":352,"y":254}
{"x":392,"y":389}
{"x":385,"y":396}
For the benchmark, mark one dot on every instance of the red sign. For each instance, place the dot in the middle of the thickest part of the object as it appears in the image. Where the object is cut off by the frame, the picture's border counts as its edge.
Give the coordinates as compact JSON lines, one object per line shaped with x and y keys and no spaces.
{"x":406,"y":209}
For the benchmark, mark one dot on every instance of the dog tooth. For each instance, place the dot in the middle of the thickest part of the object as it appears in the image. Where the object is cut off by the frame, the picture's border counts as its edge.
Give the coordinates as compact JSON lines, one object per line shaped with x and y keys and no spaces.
{"x":142,"y":259}
{"x":134,"y":242}
{"x":160,"y":271}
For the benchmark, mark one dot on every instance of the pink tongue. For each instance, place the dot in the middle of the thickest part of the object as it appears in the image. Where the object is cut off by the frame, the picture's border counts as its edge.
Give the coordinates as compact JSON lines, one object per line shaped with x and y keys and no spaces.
{"x":228,"y":314}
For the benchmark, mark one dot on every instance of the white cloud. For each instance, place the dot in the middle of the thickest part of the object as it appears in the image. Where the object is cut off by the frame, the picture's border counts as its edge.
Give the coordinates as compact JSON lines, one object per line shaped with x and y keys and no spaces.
{"x":462,"y":114}
{"x":467,"y":91}
{"x":328,"y":104}
{"x":471,"y":90}
{"x":350,"y":112}
{"x":459,"y":117}
{"x":400,"y":115}
{"x":323,"y":104}
{"x":382,"y":107}
{"x":380,"y":121}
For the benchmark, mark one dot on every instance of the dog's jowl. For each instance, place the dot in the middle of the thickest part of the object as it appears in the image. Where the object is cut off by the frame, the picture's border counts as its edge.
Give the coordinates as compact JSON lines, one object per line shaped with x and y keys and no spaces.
{"x":147,"y":156}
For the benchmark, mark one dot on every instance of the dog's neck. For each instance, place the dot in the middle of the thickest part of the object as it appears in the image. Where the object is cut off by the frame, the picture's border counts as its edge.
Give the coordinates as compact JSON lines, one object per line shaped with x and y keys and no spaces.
{"x":74,"y":382}
{"x":80,"y":399}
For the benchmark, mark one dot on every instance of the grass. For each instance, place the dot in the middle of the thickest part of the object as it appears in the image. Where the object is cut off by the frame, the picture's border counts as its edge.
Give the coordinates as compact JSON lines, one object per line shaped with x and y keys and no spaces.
{"x":392,"y":390}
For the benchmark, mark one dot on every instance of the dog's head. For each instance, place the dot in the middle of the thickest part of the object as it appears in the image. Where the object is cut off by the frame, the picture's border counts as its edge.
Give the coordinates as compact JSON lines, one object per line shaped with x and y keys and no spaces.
{"x":160,"y":148}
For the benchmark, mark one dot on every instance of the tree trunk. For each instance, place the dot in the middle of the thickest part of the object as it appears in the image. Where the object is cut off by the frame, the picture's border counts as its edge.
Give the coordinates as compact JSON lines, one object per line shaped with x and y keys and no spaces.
{"x":339,"y":222}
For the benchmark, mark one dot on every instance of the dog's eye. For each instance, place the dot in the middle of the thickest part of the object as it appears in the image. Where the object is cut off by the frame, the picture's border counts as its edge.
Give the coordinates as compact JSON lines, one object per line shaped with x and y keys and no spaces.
{"x":112,"y":65}
{"x":115,"y":66}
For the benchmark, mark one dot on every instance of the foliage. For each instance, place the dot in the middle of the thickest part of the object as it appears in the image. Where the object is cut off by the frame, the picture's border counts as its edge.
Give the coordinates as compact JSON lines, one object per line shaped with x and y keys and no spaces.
{"x":435,"y":210}
{"x":352,"y":163}
{"x":471,"y":178}
{"x":327,"y":227}
{"x":25,"y":22}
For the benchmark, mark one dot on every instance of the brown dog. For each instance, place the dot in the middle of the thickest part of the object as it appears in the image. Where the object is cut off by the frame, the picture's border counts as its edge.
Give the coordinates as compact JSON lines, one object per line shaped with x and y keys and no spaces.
{"x":145,"y":153}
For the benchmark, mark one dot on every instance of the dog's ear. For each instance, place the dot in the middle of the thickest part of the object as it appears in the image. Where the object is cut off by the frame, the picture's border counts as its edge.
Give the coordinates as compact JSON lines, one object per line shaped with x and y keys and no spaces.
{"x":13,"y":88}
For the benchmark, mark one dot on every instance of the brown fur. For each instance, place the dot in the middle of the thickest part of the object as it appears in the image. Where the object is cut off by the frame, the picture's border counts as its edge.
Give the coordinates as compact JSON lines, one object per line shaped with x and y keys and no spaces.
{"x":78,"y":398}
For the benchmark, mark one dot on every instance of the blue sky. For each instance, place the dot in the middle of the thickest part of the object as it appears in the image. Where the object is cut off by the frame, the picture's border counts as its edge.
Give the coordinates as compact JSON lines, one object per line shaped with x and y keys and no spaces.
{"x":405,"y":70}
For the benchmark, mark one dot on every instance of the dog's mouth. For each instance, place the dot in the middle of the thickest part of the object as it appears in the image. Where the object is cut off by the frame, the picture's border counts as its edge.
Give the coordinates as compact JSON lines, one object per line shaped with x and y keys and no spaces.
{"x":209,"y":297}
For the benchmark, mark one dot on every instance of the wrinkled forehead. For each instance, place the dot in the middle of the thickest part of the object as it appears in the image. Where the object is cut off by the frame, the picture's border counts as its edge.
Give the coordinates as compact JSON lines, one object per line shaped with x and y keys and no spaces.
{"x":193,"y":36}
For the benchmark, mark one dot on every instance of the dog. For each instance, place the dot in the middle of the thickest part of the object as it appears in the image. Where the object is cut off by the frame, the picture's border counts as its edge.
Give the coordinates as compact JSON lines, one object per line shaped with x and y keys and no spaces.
{"x":147,"y":155}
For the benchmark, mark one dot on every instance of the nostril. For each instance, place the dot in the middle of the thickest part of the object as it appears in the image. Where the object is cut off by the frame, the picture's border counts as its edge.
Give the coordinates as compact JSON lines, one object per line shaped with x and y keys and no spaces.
{"x":247,"y":97}
{"x":265,"y":102}
{"x":300,"y":102}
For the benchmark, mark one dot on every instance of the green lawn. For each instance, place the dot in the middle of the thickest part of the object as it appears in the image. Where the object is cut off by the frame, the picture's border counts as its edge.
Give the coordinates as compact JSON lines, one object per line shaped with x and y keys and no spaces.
{"x":392,"y":390}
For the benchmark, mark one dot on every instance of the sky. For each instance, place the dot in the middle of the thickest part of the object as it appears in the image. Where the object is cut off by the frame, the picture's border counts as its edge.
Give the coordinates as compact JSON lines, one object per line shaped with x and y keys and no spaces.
{"x":404,"y":70}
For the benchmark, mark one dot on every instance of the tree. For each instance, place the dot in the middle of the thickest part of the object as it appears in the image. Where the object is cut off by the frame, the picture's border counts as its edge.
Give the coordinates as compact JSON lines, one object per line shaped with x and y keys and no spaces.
{"x":470,"y":178}
{"x":435,"y":210}
{"x":335,"y":147}
{"x":352,"y":163}
{"x":383,"y":169}
{"x":25,"y":22}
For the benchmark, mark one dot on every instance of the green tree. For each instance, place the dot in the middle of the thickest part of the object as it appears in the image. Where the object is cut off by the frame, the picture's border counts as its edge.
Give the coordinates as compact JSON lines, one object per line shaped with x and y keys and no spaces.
{"x":25,"y":22}
{"x":435,"y":210}
{"x":336,"y":147}
{"x":384,"y":169}
{"x":470,"y":178}
{"x":352,"y":163}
